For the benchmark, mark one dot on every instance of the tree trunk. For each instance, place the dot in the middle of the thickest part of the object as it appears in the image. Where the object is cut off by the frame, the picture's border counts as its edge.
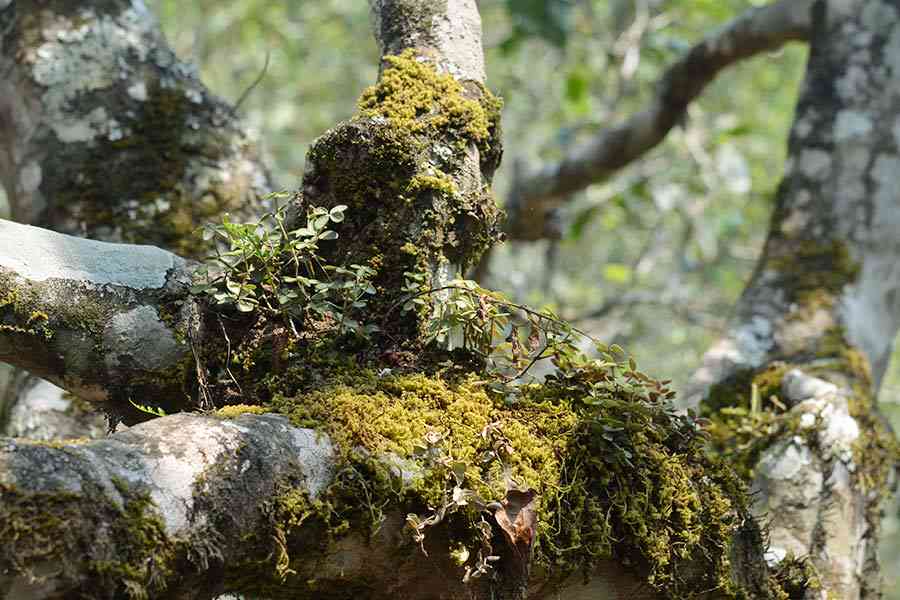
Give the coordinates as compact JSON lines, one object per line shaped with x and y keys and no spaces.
{"x":815,"y":325}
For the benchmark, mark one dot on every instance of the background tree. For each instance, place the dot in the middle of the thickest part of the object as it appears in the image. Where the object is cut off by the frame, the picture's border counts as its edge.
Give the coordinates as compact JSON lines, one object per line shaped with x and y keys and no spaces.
{"x":825,"y":356}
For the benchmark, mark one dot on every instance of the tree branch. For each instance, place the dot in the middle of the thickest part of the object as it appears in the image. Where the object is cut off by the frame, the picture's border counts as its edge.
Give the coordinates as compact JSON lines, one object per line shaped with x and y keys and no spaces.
{"x":758,"y":30}
{"x":190,"y":507}
{"x":816,"y":323}
{"x":173,"y":507}
{"x":105,"y":133}
{"x":449,"y":30}
{"x":107,"y":322}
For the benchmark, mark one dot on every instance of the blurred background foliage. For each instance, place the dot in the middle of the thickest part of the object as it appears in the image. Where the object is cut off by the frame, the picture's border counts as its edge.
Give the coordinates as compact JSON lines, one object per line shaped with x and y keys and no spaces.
{"x":651,"y":259}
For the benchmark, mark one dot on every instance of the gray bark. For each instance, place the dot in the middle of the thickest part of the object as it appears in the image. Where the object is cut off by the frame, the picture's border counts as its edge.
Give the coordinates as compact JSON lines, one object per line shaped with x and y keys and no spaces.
{"x":105,"y":133}
{"x":824,"y":300}
{"x":201,"y":491}
{"x":536,"y":194}
{"x":86,"y":315}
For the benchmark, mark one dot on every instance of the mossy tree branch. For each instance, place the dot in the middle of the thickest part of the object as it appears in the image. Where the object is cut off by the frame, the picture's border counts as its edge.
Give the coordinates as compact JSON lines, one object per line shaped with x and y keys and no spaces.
{"x":108,"y":322}
{"x":106,"y":134}
{"x":195,"y":506}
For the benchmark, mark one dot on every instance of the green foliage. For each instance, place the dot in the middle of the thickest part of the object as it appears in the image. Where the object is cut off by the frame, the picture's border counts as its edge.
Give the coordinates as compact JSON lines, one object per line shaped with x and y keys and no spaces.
{"x":264,"y":267}
{"x":548,"y":19}
{"x":508,"y":337}
{"x":146,"y":408}
{"x":615,"y":473}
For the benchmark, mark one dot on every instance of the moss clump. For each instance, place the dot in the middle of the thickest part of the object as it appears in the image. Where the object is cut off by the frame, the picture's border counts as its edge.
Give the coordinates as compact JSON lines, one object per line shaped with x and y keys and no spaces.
{"x":402,"y":165}
{"x":12,"y":310}
{"x":793,"y":578}
{"x":737,"y":390}
{"x":617,"y":475}
{"x":235,"y":410}
{"x":812,"y":268}
{"x":40,"y":528}
{"x":746,"y":416}
{"x":415,"y":98}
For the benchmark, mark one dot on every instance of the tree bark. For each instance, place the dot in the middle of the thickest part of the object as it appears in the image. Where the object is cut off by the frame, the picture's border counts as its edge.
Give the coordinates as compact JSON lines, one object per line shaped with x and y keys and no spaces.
{"x":815,"y":325}
{"x":107,"y":322}
{"x":106,"y":134}
{"x":188,"y":506}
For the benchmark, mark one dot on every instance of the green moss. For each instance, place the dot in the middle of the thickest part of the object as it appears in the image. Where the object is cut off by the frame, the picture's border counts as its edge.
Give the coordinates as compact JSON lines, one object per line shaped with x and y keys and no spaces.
{"x":235,"y":410}
{"x":13,"y":311}
{"x":813,"y":272}
{"x":417,"y":99}
{"x":40,"y":528}
{"x":398,"y":166}
{"x":794,"y":578}
{"x":616,"y":476}
{"x":441,"y":184}
{"x":737,"y":390}
{"x":27,"y":302}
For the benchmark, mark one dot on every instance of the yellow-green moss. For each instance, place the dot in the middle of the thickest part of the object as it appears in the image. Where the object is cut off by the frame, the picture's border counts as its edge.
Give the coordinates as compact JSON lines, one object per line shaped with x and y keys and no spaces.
{"x":12,"y":308}
{"x":235,"y":410}
{"x":793,"y":577}
{"x":437,"y":183}
{"x":24,"y":303}
{"x":40,"y":528}
{"x":417,"y":99}
{"x":617,"y":477}
{"x":399,"y":162}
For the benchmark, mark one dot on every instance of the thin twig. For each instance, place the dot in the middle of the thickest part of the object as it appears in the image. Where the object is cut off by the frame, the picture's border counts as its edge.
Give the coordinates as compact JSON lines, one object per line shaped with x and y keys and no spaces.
{"x":228,"y":356}
{"x":256,"y":82}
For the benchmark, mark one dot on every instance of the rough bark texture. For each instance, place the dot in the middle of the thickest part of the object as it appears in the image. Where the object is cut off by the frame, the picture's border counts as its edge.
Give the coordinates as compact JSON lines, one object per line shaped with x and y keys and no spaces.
{"x":816,"y":324}
{"x":188,"y":506}
{"x":762,"y":29}
{"x":107,"y":322}
{"x":192,"y":507}
{"x":104,"y":133}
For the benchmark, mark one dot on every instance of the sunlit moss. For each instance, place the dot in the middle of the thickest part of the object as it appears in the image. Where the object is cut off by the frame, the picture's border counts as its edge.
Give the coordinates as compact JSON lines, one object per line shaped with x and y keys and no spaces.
{"x":617,"y":477}
{"x":235,"y":410}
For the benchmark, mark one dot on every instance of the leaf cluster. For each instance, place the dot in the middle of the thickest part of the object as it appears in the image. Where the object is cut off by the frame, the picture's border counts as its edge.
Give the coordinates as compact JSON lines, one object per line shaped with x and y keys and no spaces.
{"x":262,"y":266}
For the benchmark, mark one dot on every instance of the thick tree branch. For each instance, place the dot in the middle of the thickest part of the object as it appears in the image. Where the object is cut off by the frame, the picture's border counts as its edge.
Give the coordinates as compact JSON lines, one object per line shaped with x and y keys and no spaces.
{"x":758,"y":30}
{"x":171,"y":507}
{"x":105,"y":133}
{"x":191,"y":507}
{"x":104,"y":321}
